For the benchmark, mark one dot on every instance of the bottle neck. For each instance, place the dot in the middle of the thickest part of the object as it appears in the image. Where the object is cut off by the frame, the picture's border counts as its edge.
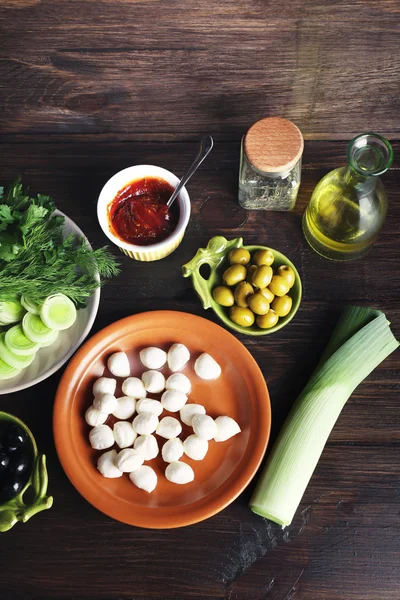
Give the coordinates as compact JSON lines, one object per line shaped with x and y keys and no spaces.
{"x":360,"y":182}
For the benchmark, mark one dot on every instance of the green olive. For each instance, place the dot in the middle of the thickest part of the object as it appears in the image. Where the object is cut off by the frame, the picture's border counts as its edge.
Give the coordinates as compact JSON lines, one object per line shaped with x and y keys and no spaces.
{"x":234,"y":274}
{"x":279,"y":285}
{"x":250,"y":272}
{"x":282,"y":306}
{"x":258,"y":304}
{"x":263,"y":257}
{"x":239,"y":256}
{"x":241,"y":316}
{"x":242,"y":291}
{"x":262,"y":277}
{"x":223,"y":296}
{"x":267,"y":321}
{"x":268,"y":294}
{"x":287,"y":273}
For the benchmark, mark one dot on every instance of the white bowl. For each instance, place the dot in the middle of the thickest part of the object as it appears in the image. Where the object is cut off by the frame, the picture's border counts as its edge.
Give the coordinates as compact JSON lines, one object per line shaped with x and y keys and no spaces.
{"x":48,"y":360}
{"x":121,"y":180}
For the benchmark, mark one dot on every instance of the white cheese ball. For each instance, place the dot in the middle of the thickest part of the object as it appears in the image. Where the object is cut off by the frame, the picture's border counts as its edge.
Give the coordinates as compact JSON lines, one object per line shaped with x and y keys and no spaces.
{"x":226,"y":428}
{"x":206,"y":367}
{"x":124,"y":434}
{"x":153,"y":358}
{"x":133,"y":387}
{"x":178,"y":356}
{"x":129,"y":460}
{"x":147,"y":445}
{"x":204,"y":427}
{"x":179,"y":472}
{"x":101,"y":437}
{"x":94,"y":417}
{"x":107,"y":465}
{"x":104,"y":385}
{"x":153,"y":381}
{"x":172,"y":450}
{"x":149,"y":405}
{"x":126,"y":407}
{"x":188,"y":411}
{"x":169,"y":428}
{"x":105,"y":403}
{"x":173,"y":401}
{"x":195,"y":448}
{"x":144,"y":478}
{"x":118,"y":364}
{"x":179,"y":383}
{"x":145,"y":423}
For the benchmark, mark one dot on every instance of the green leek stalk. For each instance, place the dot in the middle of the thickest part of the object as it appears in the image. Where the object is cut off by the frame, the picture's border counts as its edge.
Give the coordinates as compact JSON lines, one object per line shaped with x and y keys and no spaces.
{"x":361,"y":340}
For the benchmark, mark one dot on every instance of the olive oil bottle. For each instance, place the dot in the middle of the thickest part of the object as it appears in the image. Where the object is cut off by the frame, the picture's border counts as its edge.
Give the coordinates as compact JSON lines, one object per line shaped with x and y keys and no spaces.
{"x":349,"y":205}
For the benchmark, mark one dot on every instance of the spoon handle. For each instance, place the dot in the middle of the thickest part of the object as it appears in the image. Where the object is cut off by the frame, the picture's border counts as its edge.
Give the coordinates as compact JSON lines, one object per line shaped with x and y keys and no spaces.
{"x":205,"y":148}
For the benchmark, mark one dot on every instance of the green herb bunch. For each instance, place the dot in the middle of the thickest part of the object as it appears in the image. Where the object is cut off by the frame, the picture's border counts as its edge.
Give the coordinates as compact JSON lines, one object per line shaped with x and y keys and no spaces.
{"x":36,"y":260}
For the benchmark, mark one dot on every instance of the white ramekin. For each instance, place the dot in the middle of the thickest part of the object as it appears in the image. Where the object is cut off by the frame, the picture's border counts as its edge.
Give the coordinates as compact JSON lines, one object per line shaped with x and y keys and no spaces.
{"x":117,"y":183}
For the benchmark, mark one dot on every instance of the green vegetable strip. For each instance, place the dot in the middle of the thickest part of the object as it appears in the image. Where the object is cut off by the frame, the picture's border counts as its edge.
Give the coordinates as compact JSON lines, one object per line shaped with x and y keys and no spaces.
{"x":358,"y":345}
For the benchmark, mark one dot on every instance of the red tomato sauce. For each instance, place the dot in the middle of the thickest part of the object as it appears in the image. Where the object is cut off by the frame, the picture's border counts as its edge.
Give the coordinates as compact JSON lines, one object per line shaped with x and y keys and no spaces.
{"x":139,"y":213}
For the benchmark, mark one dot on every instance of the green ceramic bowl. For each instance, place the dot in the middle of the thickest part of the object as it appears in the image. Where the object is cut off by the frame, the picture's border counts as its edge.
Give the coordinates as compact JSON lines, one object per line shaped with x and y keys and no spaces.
{"x":16,"y":510}
{"x":216,"y":257}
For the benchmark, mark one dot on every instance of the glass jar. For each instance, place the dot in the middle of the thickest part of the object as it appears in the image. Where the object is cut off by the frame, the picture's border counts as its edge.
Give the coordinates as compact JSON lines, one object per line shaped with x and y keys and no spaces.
{"x":270,"y":165}
{"x":349,"y":205}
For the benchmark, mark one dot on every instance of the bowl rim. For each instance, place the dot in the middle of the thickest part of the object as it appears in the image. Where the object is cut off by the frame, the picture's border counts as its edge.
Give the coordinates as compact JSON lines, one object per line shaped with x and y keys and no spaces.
{"x":127,"y":176}
{"x":89,"y":324}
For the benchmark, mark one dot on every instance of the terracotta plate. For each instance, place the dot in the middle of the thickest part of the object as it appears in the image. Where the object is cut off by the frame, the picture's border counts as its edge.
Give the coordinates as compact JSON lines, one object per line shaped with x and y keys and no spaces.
{"x":240,"y":392}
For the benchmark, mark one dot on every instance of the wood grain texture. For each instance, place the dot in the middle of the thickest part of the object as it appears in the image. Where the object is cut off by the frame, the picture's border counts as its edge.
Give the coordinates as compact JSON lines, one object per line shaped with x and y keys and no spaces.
{"x":88,"y":87}
{"x":344,"y":542}
{"x":122,"y":67}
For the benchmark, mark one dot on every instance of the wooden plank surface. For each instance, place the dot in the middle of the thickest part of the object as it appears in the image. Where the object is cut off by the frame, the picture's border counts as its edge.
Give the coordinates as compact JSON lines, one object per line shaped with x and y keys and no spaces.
{"x":118,"y":66}
{"x":88,"y":87}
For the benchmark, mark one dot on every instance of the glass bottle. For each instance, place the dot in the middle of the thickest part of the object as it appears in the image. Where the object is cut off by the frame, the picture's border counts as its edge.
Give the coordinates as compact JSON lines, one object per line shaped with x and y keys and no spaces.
{"x":270,"y":165}
{"x":349,"y":205}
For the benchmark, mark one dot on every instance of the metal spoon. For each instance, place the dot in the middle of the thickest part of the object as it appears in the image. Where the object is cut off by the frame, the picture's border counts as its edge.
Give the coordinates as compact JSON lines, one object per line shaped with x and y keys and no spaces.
{"x":205,"y":148}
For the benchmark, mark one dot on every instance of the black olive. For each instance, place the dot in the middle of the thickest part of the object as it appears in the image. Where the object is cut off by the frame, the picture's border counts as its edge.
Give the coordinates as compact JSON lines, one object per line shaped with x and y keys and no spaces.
{"x":19,"y":461}
{"x":4,"y":460}
{"x":10,"y":488}
{"x":13,"y":437}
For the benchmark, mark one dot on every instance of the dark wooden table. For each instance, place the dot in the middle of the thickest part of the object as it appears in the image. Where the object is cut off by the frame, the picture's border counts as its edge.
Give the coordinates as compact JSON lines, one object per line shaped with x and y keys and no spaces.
{"x":89,"y":87}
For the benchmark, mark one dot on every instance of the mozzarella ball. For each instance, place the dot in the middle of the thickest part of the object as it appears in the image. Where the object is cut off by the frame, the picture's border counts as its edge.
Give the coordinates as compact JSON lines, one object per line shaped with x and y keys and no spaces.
{"x":179,"y":472}
{"x":178,"y":356}
{"x":129,"y":460}
{"x":133,"y":387}
{"x":94,"y":417}
{"x":107,"y":465}
{"x":204,"y":427}
{"x":226,"y":428}
{"x":124,"y":434}
{"x":172,"y":450}
{"x":144,"y":478}
{"x":153,"y":381}
{"x":118,"y":364}
{"x":169,"y":428}
{"x":188,"y":411}
{"x":195,"y":448}
{"x":101,"y":437}
{"x":173,"y":401}
{"x":206,"y":367}
{"x":125,"y":407}
{"x":147,"y":445}
{"x":149,"y":405}
{"x":145,"y":423}
{"x":104,"y":385}
{"x":105,"y":403}
{"x":179,"y":383}
{"x":153,"y":358}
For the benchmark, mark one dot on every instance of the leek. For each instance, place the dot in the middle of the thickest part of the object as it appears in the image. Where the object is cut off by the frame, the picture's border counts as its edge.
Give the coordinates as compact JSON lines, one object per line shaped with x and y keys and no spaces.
{"x":11,"y":312}
{"x":361,"y":340}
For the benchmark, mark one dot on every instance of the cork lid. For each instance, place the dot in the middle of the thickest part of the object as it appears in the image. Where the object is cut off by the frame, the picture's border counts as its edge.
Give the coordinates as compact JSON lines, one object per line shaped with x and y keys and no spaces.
{"x":273,"y":145}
